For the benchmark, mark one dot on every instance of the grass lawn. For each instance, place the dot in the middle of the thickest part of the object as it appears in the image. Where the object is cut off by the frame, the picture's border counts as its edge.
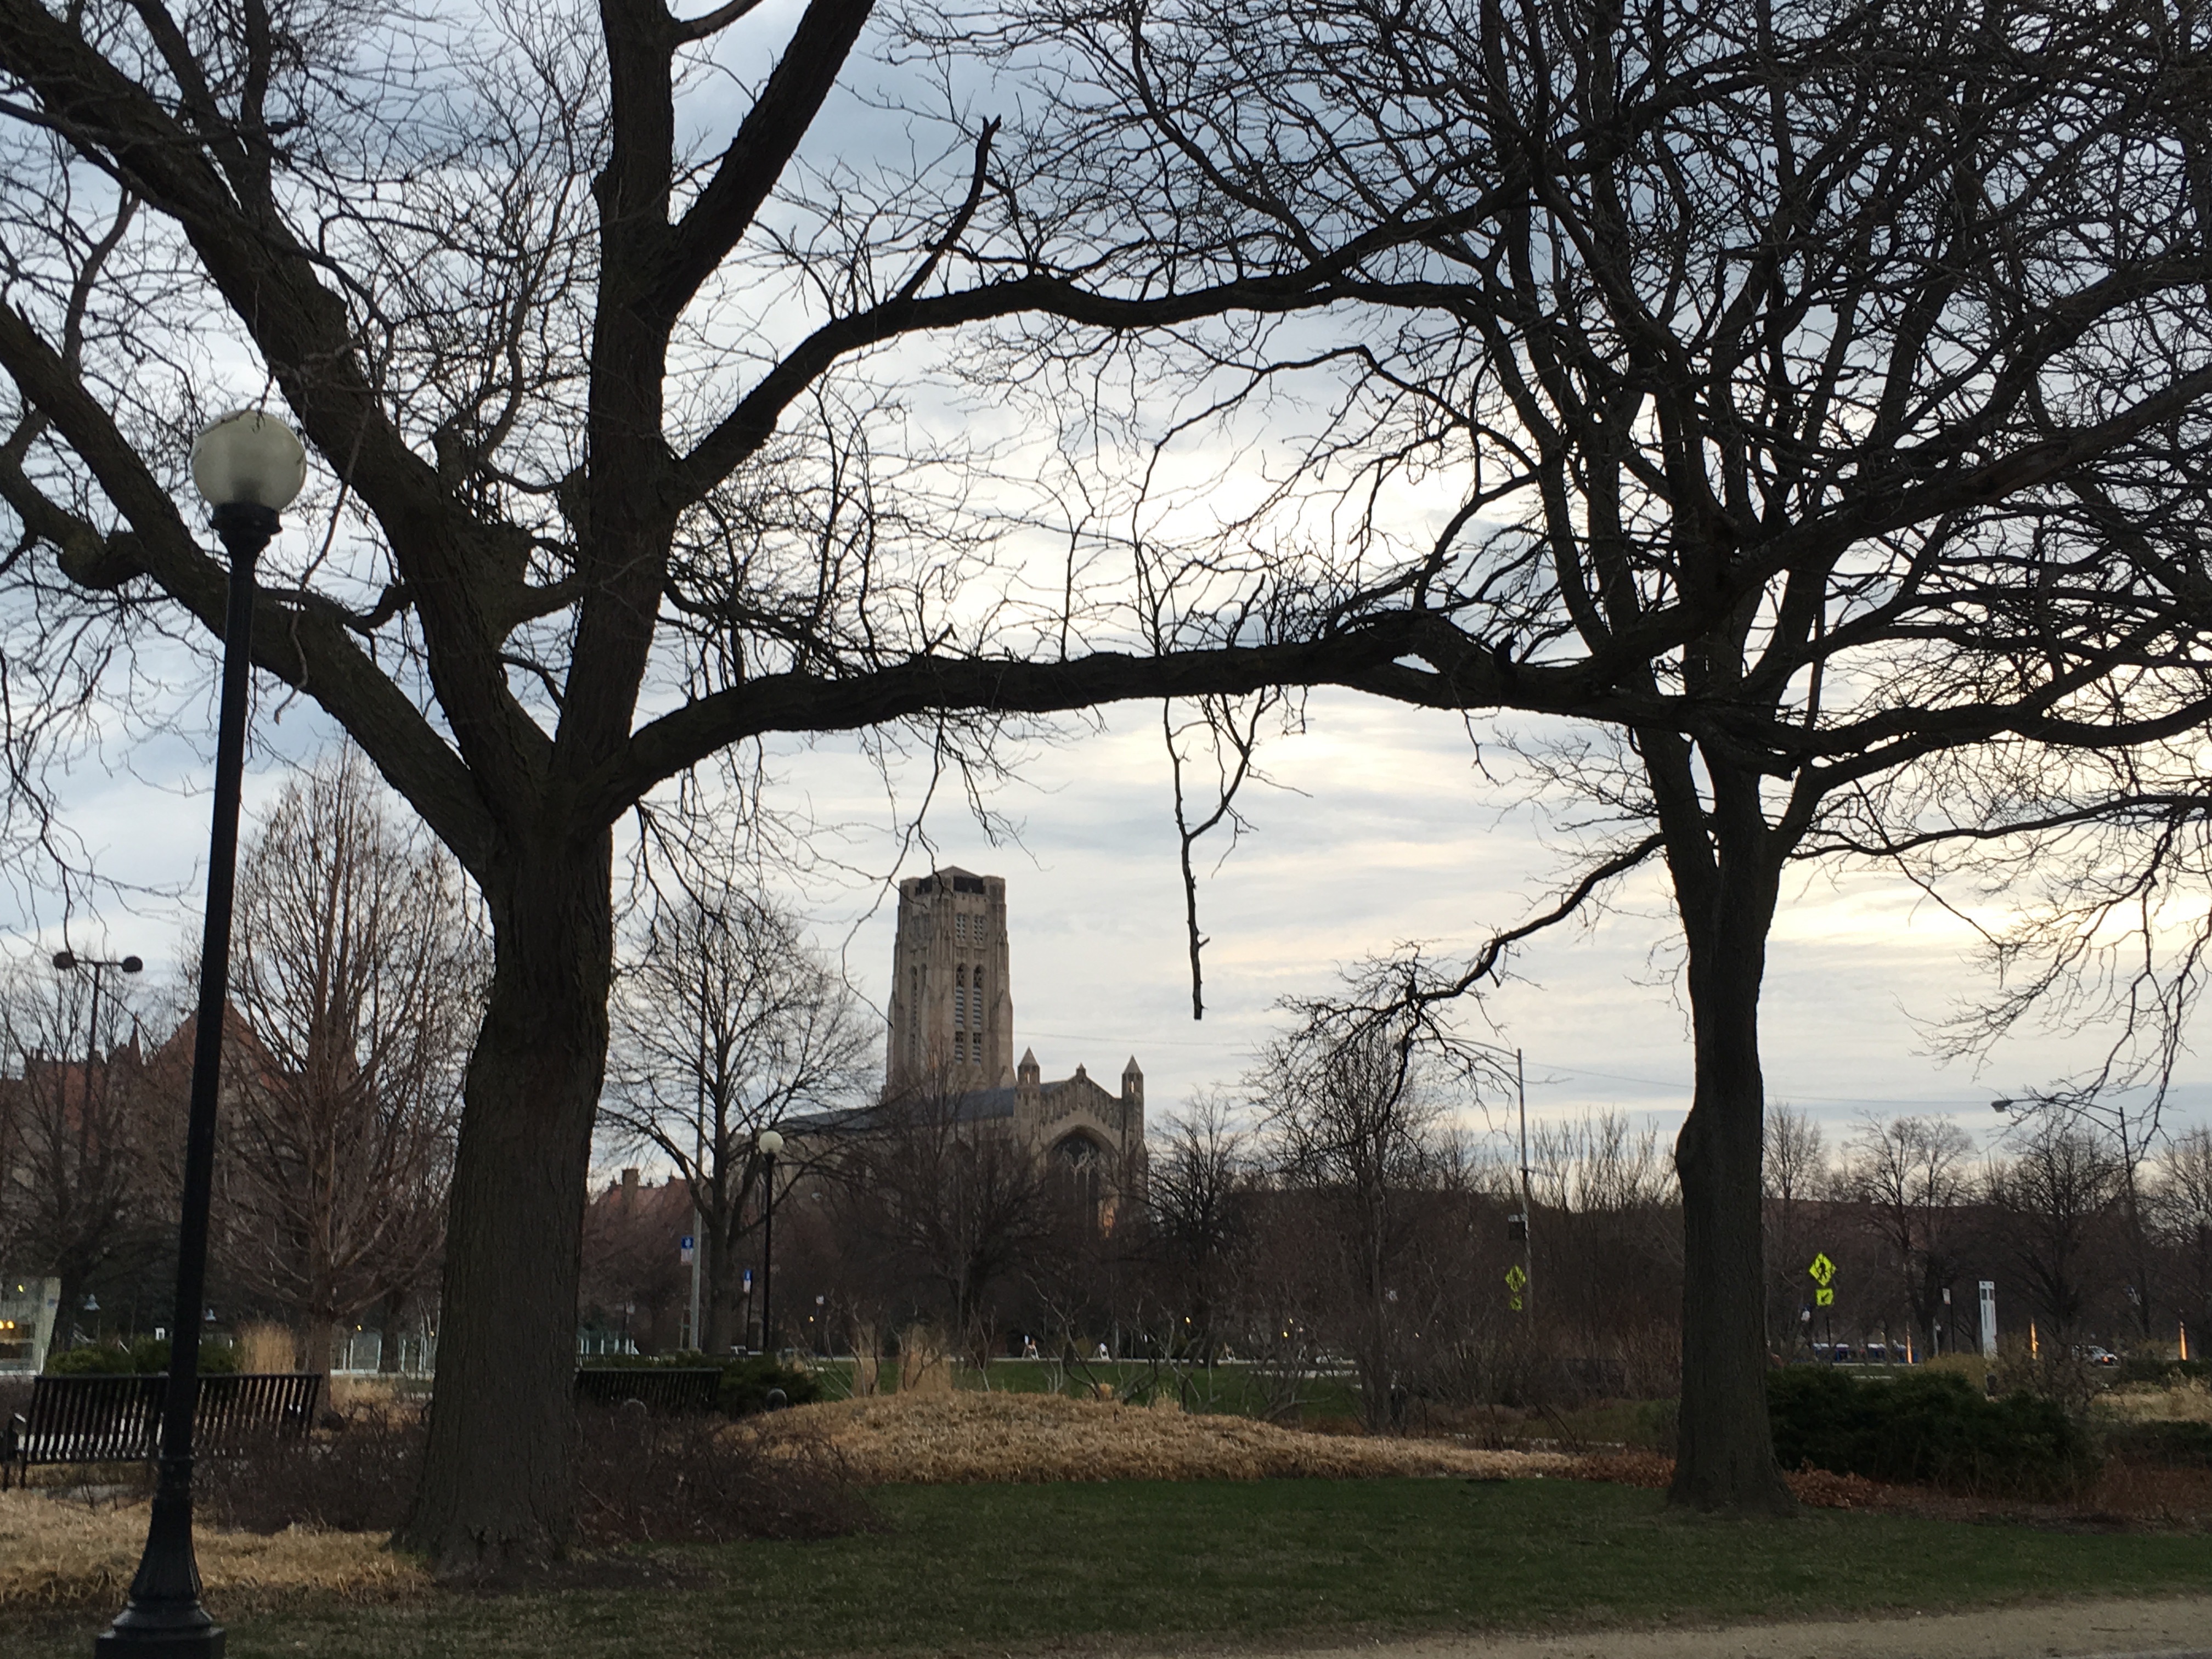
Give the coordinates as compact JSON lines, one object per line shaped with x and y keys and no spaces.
{"x":988,"y":1569}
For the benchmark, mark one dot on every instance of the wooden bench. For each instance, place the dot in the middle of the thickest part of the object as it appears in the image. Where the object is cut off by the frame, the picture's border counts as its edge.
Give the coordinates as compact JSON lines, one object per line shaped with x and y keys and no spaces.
{"x":690,"y":1388}
{"x":116,"y":1420}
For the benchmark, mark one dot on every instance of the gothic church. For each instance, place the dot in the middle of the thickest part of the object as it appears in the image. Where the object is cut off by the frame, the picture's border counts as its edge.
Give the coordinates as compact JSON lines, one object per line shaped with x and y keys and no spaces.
{"x":951,"y":1028}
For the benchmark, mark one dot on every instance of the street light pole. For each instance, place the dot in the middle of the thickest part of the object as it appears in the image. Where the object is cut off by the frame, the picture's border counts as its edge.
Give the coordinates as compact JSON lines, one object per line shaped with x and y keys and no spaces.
{"x":699,"y":1155}
{"x":249,"y":467}
{"x":67,"y":961}
{"x":770,"y":1144}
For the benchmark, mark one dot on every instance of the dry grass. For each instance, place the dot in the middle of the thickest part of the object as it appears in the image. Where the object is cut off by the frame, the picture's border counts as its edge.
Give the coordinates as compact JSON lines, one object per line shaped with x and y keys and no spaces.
{"x":967,"y":1439}
{"x":924,"y":1365}
{"x":2187,"y":1401}
{"x":61,"y":1553}
{"x":265,"y":1347}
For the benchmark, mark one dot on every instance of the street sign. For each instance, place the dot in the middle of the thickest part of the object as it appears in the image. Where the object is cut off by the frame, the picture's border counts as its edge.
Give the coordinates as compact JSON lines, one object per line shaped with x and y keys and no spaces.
{"x":1823,"y":1271}
{"x":1516,"y":1282}
{"x":684,"y":1250}
{"x":1824,"y":1297}
{"x":749,"y":1281}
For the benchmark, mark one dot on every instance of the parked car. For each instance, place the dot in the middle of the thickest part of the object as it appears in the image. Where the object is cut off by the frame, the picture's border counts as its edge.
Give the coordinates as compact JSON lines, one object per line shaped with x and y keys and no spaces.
{"x":2095,"y":1355}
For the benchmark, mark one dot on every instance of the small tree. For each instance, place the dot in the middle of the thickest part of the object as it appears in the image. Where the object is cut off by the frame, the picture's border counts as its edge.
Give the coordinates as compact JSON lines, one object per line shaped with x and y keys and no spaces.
{"x":1914,"y":1176}
{"x":2181,"y":1202}
{"x":358,"y":977}
{"x":2053,"y":1194}
{"x":1197,"y":1198}
{"x":947,"y":1199}
{"x":1350,"y":1107}
{"x":1795,"y":1169}
{"x":727,"y":1023}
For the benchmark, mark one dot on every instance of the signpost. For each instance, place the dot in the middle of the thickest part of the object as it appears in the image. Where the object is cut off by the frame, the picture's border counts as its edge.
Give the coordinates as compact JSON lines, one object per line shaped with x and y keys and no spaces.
{"x":1823,"y":1274}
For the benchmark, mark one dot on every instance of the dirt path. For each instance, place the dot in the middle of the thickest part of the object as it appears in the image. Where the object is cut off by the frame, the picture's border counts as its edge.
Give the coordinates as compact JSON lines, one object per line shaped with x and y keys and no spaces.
{"x":2171,"y":1627}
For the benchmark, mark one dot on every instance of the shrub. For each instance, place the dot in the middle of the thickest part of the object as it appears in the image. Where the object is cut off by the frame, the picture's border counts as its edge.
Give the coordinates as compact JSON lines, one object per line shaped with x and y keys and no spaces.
{"x":1933,"y":1428}
{"x":639,"y":1479}
{"x":2164,"y":1444}
{"x":745,"y":1383}
{"x":2150,"y":1368}
{"x":92,"y":1360}
{"x":746,"y":1380}
{"x":144,"y":1357}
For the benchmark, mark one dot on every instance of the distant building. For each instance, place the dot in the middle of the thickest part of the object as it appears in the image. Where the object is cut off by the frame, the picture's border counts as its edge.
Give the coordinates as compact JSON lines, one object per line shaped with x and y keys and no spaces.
{"x":951,"y":1031}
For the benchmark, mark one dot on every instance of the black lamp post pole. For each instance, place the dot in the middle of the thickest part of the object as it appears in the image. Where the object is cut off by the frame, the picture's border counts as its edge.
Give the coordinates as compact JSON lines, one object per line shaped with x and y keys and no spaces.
{"x":768,"y":1257}
{"x":163,"y":1615}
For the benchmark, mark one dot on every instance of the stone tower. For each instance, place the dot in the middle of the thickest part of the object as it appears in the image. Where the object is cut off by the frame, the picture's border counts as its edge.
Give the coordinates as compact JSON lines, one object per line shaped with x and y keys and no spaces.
{"x":953,"y":1010}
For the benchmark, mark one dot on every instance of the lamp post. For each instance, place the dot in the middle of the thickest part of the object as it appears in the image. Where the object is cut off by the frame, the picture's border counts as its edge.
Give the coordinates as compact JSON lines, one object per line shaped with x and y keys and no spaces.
{"x":68,"y":962}
{"x":770,"y":1143}
{"x":249,"y":467}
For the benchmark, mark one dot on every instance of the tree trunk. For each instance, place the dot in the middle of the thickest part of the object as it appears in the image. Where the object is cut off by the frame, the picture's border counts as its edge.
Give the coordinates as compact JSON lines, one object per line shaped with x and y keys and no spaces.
{"x":1724,"y":1458}
{"x":495,"y":1490}
{"x":387,"y":1353}
{"x":719,"y":1294}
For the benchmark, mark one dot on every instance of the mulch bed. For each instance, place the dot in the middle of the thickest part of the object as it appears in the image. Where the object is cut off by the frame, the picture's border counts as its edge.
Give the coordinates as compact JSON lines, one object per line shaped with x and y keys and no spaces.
{"x":2126,"y":1497}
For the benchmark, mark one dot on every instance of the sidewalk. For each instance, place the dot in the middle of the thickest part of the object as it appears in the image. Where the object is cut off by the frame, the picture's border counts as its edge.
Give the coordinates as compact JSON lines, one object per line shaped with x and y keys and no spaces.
{"x":2178,"y":1627}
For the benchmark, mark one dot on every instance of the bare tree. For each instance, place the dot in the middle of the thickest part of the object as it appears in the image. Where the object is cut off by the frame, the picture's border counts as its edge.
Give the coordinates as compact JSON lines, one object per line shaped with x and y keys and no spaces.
{"x":1195,"y":1193}
{"x":727,"y":1022}
{"x":2181,"y":1204}
{"x":1350,"y":1107}
{"x":80,"y":1118}
{"x":1914,"y":1175}
{"x":1795,"y":1169}
{"x":1801,"y":442}
{"x":609,"y":483}
{"x":946,"y":1193}
{"x":357,"y":977}
{"x":2053,"y":1193}
{"x":602,"y":493}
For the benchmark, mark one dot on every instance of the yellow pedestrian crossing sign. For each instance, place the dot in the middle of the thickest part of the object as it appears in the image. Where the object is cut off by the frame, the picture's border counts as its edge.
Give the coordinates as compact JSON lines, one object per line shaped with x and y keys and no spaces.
{"x":1823,"y":1272}
{"x":1516,"y":1281}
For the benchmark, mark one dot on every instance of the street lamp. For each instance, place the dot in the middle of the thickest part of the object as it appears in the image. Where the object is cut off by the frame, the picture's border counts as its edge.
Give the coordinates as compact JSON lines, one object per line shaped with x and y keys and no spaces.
{"x":68,"y":962}
{"x":249,"y":466}
{"x":770,"y":1143}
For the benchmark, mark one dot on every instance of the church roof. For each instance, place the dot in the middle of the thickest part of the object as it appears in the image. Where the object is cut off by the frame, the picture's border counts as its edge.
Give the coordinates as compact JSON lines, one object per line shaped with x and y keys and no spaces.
{"x":972,"y":1106}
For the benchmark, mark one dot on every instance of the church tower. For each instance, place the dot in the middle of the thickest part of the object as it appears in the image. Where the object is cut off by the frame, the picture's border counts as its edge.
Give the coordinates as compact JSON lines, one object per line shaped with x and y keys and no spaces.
{"x":952,"y":1010}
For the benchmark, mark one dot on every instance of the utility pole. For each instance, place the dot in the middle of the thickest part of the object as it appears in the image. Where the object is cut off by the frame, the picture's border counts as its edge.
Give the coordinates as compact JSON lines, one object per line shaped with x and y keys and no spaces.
{"x":699,"y":1147}
{"x":1527,"y":1196}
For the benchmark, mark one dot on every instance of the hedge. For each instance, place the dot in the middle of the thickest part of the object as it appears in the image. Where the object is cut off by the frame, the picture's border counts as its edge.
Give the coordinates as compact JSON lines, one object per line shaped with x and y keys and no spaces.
{"x":147,"y":1357}
{"x":1927,"y":1427}
{"x":2169,"y":1446}
{"x":745,"y":1381}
